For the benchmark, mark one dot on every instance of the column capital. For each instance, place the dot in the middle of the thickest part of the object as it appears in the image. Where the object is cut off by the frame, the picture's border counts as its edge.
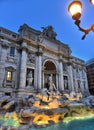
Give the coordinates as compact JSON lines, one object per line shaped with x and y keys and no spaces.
{"x":19,"y":49}
{"x":39,"y":53}
{"x":24,"y":46}
{"x":60,"y":59}
{"x":69,"y":63}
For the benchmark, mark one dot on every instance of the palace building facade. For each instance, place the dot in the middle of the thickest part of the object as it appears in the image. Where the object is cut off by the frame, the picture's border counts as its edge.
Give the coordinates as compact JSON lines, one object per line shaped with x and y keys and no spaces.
{"x":90,"y":75}
{"x":28,"y":58}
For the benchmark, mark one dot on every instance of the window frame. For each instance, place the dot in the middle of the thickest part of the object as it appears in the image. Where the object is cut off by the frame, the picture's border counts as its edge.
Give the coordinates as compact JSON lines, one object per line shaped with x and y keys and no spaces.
{"x":12,"y":51}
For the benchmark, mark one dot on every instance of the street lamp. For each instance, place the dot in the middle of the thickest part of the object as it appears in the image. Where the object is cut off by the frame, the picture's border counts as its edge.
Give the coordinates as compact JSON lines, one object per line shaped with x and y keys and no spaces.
{"x":75,"y":9}
{"x":92,"y":1}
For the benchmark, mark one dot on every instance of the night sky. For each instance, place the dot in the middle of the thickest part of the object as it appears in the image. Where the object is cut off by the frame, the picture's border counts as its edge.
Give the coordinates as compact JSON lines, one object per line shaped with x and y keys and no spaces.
{"x":41,"y":13}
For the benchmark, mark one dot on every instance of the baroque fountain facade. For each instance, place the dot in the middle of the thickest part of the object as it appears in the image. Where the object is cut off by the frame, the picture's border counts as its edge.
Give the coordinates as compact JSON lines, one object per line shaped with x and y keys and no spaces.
{"x":39,"y":53}
{"x":39,"y":78}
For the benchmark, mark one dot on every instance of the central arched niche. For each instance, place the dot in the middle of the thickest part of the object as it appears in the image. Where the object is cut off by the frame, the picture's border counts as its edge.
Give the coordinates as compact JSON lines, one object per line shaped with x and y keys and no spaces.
{"x":49,"y":68}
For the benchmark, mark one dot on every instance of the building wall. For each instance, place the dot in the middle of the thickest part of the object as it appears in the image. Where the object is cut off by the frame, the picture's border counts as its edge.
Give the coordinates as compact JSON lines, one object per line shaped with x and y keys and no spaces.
{"x":90,"y":75}
{"x":39,"y":53}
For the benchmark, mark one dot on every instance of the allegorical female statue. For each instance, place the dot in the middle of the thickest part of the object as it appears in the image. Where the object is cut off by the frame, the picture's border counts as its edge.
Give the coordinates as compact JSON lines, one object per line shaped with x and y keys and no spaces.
{"x":51,"y":83}
{"x":29,"y":78}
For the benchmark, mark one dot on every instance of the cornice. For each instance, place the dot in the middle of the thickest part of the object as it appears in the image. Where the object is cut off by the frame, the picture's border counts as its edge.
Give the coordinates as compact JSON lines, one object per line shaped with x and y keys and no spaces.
{"x":8,"y":38}
{"x":40,"y":45}
{"x":76,"y":63}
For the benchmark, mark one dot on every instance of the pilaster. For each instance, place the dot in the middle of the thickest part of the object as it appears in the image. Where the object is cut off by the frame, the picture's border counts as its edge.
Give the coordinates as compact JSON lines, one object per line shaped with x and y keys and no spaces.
{"x":2,"y":62}
{"x":81,"y":81}
{"x":75,"y":79}
{"x":86,"y":83}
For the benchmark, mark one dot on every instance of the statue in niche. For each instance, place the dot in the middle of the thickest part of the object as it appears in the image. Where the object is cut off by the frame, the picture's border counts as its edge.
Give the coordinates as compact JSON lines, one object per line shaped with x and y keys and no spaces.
{"x":51,"y":83}
{"x":49,"y":32}
{"x":65,"y":83}
{"x":29,"y":79}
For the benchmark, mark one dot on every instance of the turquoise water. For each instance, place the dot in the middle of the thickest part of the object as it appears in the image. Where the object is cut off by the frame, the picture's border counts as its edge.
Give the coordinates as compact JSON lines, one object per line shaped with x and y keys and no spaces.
{"x":87,"y":124}
{"x":9,"y":122}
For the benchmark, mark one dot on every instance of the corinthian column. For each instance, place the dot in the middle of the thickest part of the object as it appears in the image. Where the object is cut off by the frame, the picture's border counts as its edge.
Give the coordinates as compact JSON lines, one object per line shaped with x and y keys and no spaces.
{"x":61,"y":81}
{"x":39,"y":69}
{"x":23,"y":65}
{"x":71,"y":78}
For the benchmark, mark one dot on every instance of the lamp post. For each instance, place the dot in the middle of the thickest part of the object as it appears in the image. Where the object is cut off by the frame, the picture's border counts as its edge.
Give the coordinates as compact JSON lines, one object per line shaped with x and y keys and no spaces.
{"x":75,"y":9}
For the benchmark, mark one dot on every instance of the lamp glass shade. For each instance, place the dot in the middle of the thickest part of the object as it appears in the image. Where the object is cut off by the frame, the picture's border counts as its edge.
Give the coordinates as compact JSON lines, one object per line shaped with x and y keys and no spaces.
{"x":75,"y":9}
{"x":92,"y":1}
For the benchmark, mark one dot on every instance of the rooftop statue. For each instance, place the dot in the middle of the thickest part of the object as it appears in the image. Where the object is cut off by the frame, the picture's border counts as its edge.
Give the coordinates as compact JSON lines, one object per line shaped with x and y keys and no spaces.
{"x":49,"y":32}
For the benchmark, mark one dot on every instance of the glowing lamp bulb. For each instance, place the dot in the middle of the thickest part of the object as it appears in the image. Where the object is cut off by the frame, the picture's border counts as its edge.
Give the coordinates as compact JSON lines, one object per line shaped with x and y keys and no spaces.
{"x":92,"y":1}
{"x":75,"y":9}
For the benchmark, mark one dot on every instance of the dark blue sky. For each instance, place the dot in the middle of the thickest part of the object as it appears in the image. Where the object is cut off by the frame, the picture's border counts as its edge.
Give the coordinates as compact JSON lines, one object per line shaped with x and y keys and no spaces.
{"x":39,"y":13}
